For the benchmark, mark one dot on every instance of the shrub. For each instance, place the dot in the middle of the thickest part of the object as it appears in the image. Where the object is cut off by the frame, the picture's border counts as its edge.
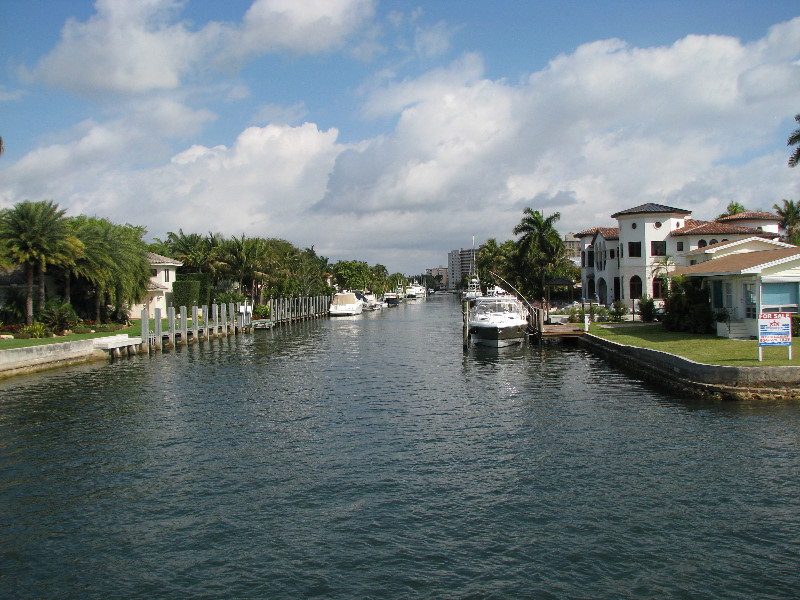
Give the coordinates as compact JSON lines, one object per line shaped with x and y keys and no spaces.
{"x":261,"y":311}
{"x":35,"y":330}
{"x":688,"y":307}
{"x":795,"y":325}
{"x":59,"y":315}
{"x":647,"y":309}
{"x":227,"y":297}
{"x":619,"y":310}
{"x":204,"y":290}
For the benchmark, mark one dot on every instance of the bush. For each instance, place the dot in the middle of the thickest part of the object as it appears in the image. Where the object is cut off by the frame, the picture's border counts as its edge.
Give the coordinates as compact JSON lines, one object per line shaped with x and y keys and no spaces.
{"x":227,"y":297}
{"x":795,"y":325}
{"x":59,"y":315}
{"x":647,"y":309}
{"x":619,"y":310}
{"x":35,"y":330}
{"x":688,"y":308}
{"x":261,"y":311}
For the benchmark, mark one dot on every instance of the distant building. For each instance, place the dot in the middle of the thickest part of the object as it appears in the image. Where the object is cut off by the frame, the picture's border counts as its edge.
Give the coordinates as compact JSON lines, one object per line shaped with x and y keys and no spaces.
{"x":572,"y":247}
{"x":459,"y":263}
{"x":436,"y":272}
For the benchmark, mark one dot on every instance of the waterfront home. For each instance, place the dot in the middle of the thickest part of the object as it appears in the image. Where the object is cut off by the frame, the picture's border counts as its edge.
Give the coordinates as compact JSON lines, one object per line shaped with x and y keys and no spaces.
{"x":163,"y":271}
{"x":650,"y":240}
{"x":746,"y":278}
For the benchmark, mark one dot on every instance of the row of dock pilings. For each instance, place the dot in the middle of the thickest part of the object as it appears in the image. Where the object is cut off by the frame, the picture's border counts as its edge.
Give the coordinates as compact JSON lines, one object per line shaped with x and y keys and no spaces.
{"x":218,"y":320}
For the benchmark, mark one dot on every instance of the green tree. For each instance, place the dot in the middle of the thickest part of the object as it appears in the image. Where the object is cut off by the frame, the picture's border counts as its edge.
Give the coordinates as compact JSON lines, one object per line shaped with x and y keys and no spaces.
{"x":540,"y":250}
{"x":789,"y":213}
{"x":794,"y":140}
{"x":35,"y":235}
{"x":352,"y":274}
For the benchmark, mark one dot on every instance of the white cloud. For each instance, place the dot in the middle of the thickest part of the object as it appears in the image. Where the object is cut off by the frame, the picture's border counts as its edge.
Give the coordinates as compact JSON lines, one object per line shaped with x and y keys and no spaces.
{"x":126,"y":47}
{"x":303,"y":27}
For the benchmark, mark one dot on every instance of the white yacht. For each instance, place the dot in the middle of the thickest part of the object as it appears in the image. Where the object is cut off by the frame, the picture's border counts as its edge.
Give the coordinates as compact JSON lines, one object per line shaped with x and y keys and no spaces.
{"x":345,"y":304}
{"x":497,"y":320}
{"x":473,"y":289}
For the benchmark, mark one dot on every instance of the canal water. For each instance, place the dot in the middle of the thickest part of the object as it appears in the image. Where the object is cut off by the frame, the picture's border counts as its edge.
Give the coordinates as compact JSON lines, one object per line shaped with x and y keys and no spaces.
{"x":371,"y":457}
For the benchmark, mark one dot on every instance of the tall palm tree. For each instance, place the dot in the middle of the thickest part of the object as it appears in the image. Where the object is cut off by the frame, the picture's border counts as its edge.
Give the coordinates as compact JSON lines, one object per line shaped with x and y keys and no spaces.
{"x":540,"y":249}
{"x":35,"y":235}
{"x":794,"y":140}
{"x":95,"y":264}
{"x":789,"y":213}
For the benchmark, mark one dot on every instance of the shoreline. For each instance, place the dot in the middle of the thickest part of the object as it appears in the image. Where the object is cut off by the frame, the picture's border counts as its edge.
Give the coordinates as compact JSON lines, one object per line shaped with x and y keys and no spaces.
{"x":699,"y":381}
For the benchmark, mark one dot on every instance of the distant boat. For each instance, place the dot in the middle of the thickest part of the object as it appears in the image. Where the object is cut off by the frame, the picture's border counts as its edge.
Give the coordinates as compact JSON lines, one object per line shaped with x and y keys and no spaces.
{"x":370,"y":301}
{"x":346,"y":304}
{"x":497,"y":320}
{"x":473,"y":289}
{"x":415,"y":290}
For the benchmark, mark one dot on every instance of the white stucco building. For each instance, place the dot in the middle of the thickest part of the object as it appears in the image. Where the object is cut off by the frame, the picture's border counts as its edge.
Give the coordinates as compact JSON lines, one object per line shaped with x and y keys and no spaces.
{"x":627,"y":261}
{"x":163,"y":271}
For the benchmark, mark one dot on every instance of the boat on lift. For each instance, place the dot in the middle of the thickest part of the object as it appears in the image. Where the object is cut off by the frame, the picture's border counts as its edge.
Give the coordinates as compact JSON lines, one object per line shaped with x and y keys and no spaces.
{"x":499,"y":319}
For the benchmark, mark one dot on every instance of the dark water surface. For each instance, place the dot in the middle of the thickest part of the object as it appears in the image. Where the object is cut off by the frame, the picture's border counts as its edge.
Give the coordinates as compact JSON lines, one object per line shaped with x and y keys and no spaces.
{"x":372,"y":458}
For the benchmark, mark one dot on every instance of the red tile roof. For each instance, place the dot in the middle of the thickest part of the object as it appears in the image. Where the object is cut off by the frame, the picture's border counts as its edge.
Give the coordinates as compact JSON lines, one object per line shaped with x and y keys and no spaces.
{"x":750,"y":215}
{"x":692,"y":227}
{"x":609,"y":233}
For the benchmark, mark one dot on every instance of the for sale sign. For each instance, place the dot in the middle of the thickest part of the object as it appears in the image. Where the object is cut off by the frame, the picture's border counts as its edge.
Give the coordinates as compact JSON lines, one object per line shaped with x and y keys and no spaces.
{"x":774,"y":329}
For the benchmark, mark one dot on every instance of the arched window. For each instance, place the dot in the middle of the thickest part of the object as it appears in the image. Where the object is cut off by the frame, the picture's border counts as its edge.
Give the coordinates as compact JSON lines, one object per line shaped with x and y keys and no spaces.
{"x":702,"y":244}
{"x":636,"y":287}
{"x":714,"y":241}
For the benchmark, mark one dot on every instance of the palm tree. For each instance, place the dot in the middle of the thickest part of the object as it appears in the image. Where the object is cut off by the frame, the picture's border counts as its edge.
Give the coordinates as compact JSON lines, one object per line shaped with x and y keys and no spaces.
{"x":95,"y":264}
{"x":540,"y":249}
{"x":794,"y":140}
{"x":35,"y":235}
{"x":734,"y":208}
{"x":2,"y":148}
{"x":789,"y":213}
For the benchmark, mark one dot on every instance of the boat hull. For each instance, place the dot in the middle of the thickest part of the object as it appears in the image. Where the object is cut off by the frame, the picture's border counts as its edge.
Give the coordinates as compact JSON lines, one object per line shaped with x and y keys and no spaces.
{"x":497,"y":337}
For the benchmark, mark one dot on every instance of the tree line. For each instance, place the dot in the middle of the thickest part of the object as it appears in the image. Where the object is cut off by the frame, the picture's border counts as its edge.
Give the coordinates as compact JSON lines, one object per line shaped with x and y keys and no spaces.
{"x":97,"y":268}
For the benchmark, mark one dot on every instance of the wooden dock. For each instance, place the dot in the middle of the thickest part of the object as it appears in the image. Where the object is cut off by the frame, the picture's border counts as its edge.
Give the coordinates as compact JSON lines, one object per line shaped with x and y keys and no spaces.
{"x":565,"y":330}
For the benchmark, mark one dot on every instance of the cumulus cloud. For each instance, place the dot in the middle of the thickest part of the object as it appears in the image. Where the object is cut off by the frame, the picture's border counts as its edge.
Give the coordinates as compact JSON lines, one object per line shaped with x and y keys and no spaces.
{"x":606,"y":127}
{"x":301,"y":27}
{"x":126,"y":47}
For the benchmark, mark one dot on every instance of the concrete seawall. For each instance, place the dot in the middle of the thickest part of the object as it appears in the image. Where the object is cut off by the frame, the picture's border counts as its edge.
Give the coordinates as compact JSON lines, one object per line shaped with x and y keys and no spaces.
{"x":36,"y":358}
{"x":710,"y":382}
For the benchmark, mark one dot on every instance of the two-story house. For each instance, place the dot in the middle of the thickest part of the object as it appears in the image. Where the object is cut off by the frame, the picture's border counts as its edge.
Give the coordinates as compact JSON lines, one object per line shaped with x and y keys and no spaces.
{"x":163,"y":271}
{"x":628,"y":261}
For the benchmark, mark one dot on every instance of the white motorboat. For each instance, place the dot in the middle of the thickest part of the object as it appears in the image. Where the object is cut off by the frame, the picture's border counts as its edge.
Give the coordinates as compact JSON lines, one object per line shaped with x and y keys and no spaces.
{"x":497,"y":320}
{"x":415,"y":290}
{"x":346,"y":304}
{"x":370,"y":301}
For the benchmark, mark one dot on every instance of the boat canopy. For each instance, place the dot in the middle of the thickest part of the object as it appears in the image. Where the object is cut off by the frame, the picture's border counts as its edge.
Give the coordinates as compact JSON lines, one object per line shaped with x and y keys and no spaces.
{"x":342,"y":299}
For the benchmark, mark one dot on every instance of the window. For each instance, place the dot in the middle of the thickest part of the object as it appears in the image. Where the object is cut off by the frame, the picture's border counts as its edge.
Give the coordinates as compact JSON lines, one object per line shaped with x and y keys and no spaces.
{"x":635,"y":250}
{"x":658,"y":248}
{"x":153,"y":272}
{"x":166,"y":275}
{"x":680,"y":246}
{"x":636,"y":287}
{"x":702,"y":244}
{"x":611,"y":254}
{"x":779,"y":297}
{"x":658,"y":288}
{"x":658,"y":224}
{"x":633,"y":225}
{"x":583,"y":258}
{"x":714,"y":241}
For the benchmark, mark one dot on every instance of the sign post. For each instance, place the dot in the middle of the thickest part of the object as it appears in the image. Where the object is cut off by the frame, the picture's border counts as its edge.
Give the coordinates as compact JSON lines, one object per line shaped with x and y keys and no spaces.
{"x":774,"y":329}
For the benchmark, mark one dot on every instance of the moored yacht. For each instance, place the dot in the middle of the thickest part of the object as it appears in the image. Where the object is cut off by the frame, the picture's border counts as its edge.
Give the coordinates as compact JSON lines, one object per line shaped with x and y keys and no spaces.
{"x":497,"y":320}
{"x":345,"y":304}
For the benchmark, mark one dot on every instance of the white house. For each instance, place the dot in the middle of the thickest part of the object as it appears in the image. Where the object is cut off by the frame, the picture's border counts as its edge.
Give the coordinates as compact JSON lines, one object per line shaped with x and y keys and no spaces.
{"x":163,"y":271}
{"x":627,"y":261}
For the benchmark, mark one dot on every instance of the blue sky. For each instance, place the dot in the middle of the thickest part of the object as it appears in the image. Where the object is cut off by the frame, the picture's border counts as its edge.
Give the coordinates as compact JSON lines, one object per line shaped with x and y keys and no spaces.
{"x":393,"y":132}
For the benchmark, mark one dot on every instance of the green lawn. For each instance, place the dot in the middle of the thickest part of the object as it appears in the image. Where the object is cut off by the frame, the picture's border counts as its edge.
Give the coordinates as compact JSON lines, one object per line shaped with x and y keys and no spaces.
{"x":708,"y":349}
{"x":134,"y":331}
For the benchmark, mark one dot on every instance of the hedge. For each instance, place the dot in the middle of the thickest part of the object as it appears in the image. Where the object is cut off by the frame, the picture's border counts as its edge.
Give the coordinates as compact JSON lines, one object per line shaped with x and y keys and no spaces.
{"x":204,"y":294}
{"x":185,"y":293}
